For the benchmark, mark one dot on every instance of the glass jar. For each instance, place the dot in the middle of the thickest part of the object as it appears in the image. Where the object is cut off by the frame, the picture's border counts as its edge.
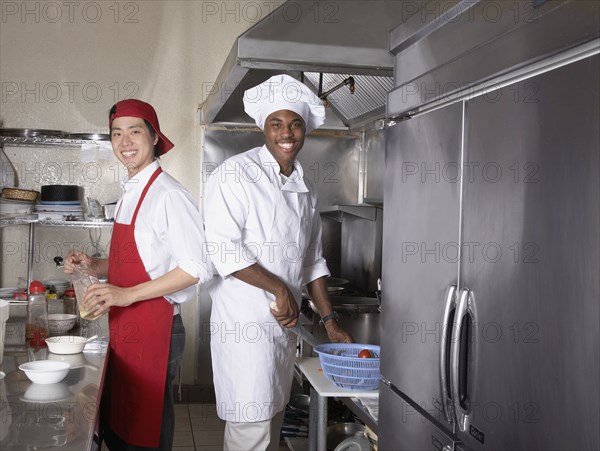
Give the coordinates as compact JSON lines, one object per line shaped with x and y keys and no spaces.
{"x":70,"y":303}
{"x":36,"y":328}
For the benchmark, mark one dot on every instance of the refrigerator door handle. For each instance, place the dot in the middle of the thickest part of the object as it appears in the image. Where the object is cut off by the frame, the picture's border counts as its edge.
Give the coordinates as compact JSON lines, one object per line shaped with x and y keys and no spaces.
{"x":449,"y":304}
{"x":456,"y":344}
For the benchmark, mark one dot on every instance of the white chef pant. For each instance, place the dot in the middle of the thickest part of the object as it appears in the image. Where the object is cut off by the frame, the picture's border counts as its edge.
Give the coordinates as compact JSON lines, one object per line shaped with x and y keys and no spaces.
{"x":258,"y":436}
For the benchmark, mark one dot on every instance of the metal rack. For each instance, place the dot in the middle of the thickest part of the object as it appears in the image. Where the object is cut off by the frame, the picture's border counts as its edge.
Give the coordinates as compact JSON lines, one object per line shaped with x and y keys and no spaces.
{"x":33,"y":219}
{"x":44,"y":141}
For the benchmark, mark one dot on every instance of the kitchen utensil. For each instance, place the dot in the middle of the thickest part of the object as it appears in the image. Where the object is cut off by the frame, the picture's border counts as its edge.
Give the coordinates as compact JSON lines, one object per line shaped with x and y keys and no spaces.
{"x":66,"y":344}
{"x":45,"y":371}
{"x":27,"y":195}
{"x":60,"y":193}
{"x":298,"y":330}
{"x":109,"y":211}
{"x":59,"y":323}
{"x":342,"y":366}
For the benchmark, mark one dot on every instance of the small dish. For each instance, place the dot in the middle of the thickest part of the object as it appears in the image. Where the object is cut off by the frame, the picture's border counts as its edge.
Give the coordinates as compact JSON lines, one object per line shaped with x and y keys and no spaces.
{"x":66,"y":344}
{"x":45,"y":371}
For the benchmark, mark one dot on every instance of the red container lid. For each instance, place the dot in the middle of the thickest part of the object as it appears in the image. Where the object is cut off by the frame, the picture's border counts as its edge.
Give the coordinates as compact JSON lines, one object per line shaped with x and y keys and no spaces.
{"x":37,"y":287}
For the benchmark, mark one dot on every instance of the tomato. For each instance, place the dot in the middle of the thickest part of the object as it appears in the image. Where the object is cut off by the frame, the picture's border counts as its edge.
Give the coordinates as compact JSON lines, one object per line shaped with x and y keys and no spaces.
{"x":365,"y":354}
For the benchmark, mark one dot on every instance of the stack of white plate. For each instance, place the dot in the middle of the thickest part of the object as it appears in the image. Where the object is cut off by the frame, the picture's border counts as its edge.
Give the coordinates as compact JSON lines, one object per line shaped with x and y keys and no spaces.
{"x":57,"y":211}
{"x":15,"y":207}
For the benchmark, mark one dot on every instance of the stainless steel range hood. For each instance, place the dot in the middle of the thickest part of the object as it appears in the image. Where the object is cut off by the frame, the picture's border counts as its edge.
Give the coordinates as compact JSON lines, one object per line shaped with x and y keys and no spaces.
{"x":308,"y":38}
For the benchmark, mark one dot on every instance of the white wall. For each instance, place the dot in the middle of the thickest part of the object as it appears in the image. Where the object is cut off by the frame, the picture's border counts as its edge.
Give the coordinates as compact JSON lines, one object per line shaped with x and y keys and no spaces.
{"x":64,"y":64}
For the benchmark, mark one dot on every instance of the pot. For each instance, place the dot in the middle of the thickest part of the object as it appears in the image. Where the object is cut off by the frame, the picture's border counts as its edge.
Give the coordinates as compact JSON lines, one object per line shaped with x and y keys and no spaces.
{"x":357,"y":315}
{"x":351,"y":304}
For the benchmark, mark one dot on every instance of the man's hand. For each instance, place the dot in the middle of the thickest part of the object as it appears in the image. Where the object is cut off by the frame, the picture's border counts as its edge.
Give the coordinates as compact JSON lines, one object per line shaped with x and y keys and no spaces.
{"x":76,"y":258}
{"x":285,"y":309}
{"x":337,"y":334}
{"x":99,"y":297}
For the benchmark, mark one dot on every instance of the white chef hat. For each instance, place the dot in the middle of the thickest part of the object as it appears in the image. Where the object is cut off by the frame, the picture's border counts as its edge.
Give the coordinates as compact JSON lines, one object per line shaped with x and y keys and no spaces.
{"x":282,"y":92}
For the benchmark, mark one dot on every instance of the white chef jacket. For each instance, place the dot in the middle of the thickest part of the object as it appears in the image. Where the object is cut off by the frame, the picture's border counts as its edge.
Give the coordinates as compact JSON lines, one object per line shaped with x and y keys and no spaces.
{"x":168,"y":229}
{"x":253,"y":216}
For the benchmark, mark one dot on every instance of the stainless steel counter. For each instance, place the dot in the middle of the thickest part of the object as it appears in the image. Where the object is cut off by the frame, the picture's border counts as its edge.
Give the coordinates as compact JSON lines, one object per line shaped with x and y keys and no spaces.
{"x":56,"y":416}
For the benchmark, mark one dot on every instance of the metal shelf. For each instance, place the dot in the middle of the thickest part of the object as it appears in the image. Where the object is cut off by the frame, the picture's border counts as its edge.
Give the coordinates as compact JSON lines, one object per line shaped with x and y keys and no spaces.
{"x":18,"y":220}
{"x":84,"y":224}
{"x":33,"y":219}
{"x":20,"y":141}
{"x":365,"y":211}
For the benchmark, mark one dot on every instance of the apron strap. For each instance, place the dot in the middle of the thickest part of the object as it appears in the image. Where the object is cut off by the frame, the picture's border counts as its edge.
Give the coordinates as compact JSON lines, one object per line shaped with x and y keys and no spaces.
{"x":146,"y":188}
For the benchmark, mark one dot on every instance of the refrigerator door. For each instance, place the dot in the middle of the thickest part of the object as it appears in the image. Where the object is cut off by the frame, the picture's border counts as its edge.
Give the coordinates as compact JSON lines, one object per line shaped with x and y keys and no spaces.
{"x":420,"y":252}
{"x":411,"y":430}
{"x":531,"y":226}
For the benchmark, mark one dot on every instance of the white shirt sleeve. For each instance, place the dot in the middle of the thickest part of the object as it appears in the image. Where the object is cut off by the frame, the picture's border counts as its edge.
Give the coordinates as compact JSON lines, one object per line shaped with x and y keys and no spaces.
{"x":226,"y":211}
{"x":184,"y":233}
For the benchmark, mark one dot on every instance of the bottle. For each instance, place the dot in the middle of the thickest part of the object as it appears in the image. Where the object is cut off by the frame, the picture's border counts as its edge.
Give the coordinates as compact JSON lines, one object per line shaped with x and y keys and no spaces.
{"x":70,"y":303}
{"x":55,"y":303}
{"x":36,"y":328}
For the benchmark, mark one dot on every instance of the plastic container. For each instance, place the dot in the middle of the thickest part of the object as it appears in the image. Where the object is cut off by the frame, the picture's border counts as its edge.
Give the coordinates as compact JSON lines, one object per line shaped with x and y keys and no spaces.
{"x":70,"y":303}
{"x":55,"y":304}
{"x":83,"y":277}
{"x":36,"y":327}
{"x":343,"y":367}
{"x":357,"y":443}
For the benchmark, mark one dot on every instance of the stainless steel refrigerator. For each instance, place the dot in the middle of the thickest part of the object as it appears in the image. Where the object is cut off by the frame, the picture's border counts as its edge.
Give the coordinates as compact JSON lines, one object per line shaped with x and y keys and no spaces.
{"x":491,"y":269}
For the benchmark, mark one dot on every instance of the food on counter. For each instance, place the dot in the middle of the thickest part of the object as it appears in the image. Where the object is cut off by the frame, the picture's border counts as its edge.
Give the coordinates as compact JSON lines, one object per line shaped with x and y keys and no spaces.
{"x":365,"y":354}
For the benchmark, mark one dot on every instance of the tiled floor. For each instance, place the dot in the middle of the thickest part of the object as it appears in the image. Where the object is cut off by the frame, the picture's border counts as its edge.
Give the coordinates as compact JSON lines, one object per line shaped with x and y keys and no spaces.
{"x":197,"y":428}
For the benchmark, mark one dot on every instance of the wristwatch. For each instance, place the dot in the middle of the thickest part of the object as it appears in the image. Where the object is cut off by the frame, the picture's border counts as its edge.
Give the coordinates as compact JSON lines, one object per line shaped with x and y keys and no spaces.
{"x":333,"y":315}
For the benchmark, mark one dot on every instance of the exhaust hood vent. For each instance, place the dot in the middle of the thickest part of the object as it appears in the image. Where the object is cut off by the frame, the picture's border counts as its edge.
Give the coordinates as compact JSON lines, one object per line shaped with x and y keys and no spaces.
{"x":346,"y":38}
{"x":367,"y":103}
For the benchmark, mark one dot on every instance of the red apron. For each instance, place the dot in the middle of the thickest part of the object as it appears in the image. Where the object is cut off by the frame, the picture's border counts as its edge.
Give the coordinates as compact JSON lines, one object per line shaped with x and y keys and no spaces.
{"x":140,"y":337}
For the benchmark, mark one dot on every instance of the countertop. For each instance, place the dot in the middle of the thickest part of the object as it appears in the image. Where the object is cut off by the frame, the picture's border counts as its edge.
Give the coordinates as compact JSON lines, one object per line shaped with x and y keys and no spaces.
{"x":311,"y":368}
{"x":57,"y":416}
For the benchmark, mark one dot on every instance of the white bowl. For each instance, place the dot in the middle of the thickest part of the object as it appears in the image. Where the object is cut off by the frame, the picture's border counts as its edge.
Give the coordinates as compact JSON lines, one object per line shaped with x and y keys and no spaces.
{"x":45,"y":371}
{"x":66,"y":344}
{"x":59,"y":323}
